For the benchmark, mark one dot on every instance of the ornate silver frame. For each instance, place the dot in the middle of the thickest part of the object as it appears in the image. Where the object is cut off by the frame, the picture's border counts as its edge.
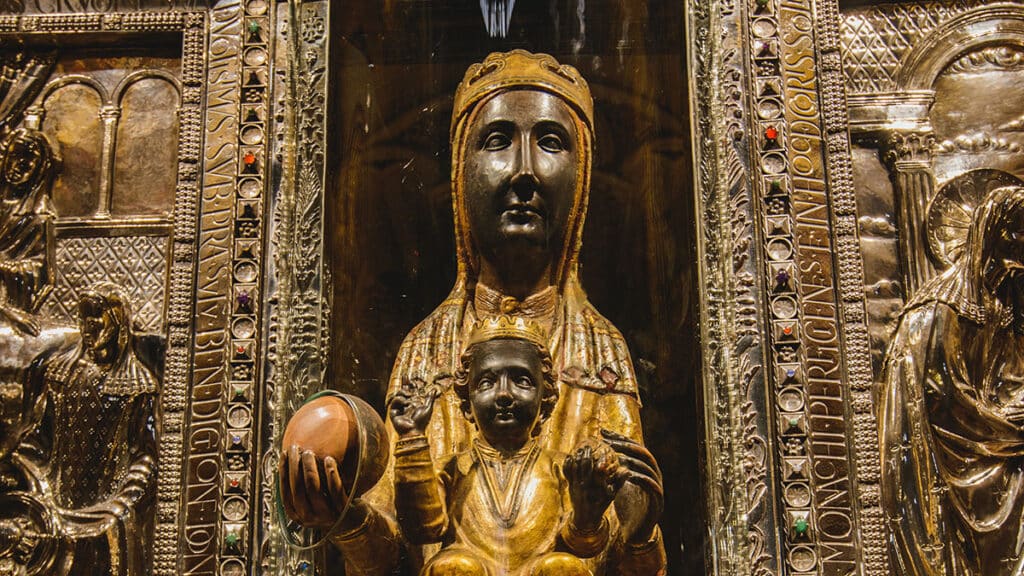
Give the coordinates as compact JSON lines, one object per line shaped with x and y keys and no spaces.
{"x":182,"y":229}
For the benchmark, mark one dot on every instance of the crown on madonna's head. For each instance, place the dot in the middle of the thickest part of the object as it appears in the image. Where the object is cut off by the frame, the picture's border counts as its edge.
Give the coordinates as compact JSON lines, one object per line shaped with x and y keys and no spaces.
{"x":507,"y":327}
{"x":522,"y":69}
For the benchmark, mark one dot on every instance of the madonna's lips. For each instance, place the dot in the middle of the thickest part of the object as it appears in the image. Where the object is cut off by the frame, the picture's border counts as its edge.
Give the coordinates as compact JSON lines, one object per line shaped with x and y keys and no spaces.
{"x":524,"y":213}
{"x":525,"y":208}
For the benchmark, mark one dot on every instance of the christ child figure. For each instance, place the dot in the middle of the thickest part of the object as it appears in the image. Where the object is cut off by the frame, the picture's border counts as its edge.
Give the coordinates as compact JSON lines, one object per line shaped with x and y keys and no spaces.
{"x":506,"y":506}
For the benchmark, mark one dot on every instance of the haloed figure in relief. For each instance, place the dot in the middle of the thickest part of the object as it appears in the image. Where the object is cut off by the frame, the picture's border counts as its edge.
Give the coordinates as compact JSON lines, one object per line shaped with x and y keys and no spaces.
{"x":522,"y":146}
{"x":26,"y":221}
{"x":102,"y":465}
{"x":506,"y":505}
{"x":952,"y":408}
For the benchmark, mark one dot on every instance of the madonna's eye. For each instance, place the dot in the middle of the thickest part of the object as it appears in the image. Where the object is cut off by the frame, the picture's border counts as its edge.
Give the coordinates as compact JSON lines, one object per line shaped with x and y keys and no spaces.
{"x":497,"y":141}
{"x":524,"y":382}
{"x":551,"y":143}
{"x":484,"y":383}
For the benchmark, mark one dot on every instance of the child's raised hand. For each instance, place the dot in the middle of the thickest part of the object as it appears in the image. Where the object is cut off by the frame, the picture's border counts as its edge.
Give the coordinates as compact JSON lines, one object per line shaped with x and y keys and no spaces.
{"x":411,"y":407}
{"x":594,"y":477}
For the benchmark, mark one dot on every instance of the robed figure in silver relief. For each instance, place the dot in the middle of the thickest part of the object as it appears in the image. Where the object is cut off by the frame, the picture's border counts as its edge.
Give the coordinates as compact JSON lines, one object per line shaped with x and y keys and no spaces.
{"x":952,"y":408}
{"x":102,"y":469}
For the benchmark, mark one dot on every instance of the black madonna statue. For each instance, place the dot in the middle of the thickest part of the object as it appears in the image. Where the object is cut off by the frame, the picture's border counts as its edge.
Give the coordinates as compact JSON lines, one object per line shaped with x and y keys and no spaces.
{"x":522,"y":146}
{"x":952,"y":408}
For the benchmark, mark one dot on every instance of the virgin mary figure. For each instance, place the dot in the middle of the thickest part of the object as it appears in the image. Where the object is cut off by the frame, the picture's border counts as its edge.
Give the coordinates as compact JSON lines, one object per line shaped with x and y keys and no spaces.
{"x":522,"y":147}
{"x":952,"y":408}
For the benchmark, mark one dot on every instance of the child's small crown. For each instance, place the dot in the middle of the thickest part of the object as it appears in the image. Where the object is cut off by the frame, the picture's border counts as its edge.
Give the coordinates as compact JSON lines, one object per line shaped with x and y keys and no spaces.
{"x":505,"y":326}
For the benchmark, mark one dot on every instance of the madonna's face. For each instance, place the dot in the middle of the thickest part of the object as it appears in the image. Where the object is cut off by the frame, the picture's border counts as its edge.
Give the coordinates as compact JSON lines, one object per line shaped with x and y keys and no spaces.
{"x":520,"y":174}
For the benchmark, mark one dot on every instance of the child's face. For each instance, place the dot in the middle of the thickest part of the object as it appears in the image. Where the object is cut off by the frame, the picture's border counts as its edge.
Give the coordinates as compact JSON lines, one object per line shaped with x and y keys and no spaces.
{"x":505,"y":391}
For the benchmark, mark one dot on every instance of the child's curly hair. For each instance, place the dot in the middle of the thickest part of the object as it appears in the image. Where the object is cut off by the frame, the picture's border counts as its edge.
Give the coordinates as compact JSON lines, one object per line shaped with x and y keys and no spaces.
{"x":550,"y":391}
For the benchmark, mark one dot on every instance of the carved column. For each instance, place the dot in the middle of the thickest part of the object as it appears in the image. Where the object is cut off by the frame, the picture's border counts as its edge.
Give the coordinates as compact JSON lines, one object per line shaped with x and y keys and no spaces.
{"x":109,"y":114}
{"x":909,"y":157}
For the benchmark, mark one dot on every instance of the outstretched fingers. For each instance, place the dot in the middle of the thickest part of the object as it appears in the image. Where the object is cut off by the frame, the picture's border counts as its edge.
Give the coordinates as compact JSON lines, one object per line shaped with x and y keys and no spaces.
{"x":629,"y":448}
{"x":335,"y":487}
{"x":286,"y":488}
{"x":638,"y":466}
{"x":649,"y":485}
{"x":297,"y":485}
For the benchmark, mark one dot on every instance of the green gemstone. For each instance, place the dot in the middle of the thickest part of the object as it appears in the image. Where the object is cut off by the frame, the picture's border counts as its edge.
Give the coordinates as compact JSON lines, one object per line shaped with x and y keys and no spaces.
{"x":254,"y":25}
{"x":800,"y":526}
{"x":762,"y":3}
{"x":239,"y":392}
{"x":231,"y":539}
{"x":793,"y":422}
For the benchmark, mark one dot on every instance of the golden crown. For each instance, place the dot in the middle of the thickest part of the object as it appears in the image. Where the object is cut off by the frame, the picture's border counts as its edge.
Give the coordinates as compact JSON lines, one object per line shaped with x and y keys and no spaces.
{"x":507,"y":327}
{"x":519,"y":68}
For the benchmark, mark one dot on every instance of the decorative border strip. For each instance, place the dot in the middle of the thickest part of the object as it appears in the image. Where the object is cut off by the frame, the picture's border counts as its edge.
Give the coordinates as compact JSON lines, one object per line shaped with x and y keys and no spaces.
{"x":220,"y":459}
{"x":298,"y":283}
{"x":180,"y":287}
{"x":856,"y":345}
{"x":773,"y":188}
{"x":243,"y":395}
{"x":192,"y":26}
{"x":169,"y":21}
{"x":815,"y":325}
{"x":201,"y":487}
{"x":740,"y":498}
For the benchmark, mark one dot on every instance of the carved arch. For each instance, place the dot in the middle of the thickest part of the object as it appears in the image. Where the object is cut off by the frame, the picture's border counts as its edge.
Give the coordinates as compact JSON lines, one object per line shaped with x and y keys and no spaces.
{"x":129,"y":80}
{"x":74,"y":79}
{"x":999,"y":24}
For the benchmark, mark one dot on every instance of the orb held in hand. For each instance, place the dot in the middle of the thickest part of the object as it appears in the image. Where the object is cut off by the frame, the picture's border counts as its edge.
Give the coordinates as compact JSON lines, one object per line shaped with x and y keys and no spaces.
{"x":347,"y":429}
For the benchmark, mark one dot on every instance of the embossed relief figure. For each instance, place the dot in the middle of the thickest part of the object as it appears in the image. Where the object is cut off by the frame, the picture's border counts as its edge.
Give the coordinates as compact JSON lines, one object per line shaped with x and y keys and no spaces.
{"x":952,"y":408}
{"x":27,"y":169}
{"x":28,"y":165}
{"x":506,"y":505}
{"x":522,"y":141}
{"x":102,"y":467}
{"x":26,"y":225}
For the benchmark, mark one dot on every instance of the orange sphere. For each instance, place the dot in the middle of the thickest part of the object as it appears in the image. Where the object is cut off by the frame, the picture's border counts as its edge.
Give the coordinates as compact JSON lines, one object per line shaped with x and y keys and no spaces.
{"x":329,"y":426}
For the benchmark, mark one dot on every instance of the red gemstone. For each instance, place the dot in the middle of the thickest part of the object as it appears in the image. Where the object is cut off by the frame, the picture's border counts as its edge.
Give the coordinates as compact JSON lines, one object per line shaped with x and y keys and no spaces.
{"x":787,"y":330}
{"x":771,"y":133}
{"x":234,"y":483}
{"x":249,"y":158}
{"x":240,"y":349}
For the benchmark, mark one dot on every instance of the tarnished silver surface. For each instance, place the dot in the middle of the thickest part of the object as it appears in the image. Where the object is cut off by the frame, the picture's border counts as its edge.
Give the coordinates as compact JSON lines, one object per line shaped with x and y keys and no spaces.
{"x":124,"y":123}
{"x":88,"y":402}
{"x":298,"y":285}
{"x":950,"y":405}
{"x":933,"y":134}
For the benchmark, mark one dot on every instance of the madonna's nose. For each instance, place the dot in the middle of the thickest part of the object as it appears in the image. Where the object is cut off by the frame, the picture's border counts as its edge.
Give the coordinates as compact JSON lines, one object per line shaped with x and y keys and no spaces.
{"x":524,"y":180}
